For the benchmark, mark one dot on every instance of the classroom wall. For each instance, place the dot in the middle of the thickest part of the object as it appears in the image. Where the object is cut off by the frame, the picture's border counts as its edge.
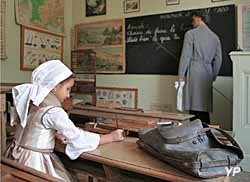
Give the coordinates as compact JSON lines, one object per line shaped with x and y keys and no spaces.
{"x":157,"y":91}
{"x":10,"y":68}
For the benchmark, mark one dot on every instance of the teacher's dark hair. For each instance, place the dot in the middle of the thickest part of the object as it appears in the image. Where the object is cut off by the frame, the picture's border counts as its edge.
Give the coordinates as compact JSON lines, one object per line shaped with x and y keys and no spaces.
{"x":199,"y":14}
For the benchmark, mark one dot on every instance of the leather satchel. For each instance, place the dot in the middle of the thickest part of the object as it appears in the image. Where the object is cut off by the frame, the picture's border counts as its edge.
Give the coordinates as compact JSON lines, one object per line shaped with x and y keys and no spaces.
{"x":192,"y":148}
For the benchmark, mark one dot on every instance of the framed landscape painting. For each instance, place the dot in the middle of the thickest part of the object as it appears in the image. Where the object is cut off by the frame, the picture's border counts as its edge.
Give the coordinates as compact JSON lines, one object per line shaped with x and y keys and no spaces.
{"x":99,"y":60}
{"x":104,"y":33}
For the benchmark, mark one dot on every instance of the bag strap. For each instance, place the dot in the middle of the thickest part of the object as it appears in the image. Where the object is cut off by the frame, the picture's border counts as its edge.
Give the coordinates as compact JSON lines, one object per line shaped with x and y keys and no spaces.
{"x":235,"y":145}
{"x":203,"y":131}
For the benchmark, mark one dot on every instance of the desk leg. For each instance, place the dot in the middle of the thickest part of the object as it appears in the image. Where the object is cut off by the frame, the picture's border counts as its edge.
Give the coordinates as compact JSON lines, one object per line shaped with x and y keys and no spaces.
{"x":111,"y":173}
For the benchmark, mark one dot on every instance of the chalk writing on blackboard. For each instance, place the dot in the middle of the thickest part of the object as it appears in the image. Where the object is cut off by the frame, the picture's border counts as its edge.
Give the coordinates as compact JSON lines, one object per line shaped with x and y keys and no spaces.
{"x":137,"y":34}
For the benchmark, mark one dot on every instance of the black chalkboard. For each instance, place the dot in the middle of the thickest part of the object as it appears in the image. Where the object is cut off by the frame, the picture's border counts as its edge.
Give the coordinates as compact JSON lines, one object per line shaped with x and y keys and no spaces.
{"x":154,"y":42}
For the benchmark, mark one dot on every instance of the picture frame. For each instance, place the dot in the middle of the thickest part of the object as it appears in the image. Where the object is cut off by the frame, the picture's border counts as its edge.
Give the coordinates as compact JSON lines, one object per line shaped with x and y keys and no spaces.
{"x":99,"y":60}
{"x":99,"y":47}
{"x":130,"y":6}
{"x":95,"y":7}
{"x":172,"y":2}
{"x":100,"y":33}
{"x":84,"y":99}
{"x":122,"y":97}
{"x":38,"y":46}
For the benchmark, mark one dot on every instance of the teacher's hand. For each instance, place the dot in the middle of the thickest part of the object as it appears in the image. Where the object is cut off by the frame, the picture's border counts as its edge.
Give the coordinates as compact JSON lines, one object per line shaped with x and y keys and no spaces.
{"x":182,"y":78}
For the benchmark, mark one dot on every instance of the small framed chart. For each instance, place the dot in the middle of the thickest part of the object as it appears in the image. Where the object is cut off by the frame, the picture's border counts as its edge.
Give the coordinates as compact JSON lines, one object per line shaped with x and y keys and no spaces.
{"x":38,"y":46}
{"x":122,"y":97}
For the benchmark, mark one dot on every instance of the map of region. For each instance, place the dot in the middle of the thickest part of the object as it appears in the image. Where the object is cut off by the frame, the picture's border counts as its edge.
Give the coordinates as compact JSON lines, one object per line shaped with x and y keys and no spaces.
{"x":45,"y":14}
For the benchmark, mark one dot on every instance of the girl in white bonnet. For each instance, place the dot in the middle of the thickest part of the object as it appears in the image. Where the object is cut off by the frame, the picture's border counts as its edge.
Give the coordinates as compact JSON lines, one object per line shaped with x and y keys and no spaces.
{"x":41,"y":115}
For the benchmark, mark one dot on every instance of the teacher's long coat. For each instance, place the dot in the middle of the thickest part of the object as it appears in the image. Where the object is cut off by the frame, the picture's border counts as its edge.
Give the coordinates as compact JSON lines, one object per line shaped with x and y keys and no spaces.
{"x":200,"y":63}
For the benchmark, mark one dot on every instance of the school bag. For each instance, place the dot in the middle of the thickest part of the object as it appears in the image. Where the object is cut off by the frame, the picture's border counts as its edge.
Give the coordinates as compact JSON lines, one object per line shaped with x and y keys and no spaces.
{"x":192,"y":148}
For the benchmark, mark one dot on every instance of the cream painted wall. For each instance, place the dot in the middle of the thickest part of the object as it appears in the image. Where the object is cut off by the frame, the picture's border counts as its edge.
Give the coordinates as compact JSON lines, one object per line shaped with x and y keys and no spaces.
{"x":159,"y":89}
{"x":10,"y":68}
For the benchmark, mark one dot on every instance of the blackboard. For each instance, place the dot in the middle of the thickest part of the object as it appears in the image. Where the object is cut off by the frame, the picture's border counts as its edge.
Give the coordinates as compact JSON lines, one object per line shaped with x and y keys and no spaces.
{"x":154,"y":42}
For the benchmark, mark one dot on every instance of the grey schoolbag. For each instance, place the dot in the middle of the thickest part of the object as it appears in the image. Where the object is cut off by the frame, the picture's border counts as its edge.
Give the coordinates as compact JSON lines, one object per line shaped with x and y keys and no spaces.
{"x":192,"y":148}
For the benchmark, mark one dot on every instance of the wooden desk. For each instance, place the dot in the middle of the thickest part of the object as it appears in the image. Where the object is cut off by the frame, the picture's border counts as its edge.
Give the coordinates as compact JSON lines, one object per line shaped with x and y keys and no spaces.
{"x":14,"y":172}
{"x":127,"y":156}
{"x":128,"y":120}
{"x":129,"y":115}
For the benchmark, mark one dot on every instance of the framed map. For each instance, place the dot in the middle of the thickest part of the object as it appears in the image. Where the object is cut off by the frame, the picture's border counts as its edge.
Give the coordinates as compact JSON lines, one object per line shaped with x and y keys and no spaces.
{"x":103,"y":33}
{"x":99,"y":60}
{"x":38,"y":46}
{"x":123,"y":97}
{"x":42,"y":14}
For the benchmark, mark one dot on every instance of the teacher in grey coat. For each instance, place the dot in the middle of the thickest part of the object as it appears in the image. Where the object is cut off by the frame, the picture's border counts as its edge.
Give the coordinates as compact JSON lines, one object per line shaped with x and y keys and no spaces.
{"x":199,"y":66}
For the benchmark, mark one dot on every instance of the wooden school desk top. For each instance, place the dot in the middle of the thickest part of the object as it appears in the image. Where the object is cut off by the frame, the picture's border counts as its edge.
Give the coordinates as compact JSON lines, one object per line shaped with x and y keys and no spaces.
{"x":95,"y":111}
{"x":128,"y":156}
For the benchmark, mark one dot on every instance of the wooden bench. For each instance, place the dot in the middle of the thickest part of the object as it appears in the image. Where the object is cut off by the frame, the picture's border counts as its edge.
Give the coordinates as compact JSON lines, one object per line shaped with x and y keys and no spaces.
{"x":13,"y":172}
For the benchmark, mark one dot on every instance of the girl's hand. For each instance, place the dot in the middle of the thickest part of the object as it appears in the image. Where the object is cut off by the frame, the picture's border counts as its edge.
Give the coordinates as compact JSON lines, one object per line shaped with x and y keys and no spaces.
{"x":114,"y":136}
{"x":117,"y":135}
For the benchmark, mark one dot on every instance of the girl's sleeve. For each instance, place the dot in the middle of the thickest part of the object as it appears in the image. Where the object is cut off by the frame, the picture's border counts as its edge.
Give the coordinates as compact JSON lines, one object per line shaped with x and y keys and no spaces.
{"x":77,"y":140}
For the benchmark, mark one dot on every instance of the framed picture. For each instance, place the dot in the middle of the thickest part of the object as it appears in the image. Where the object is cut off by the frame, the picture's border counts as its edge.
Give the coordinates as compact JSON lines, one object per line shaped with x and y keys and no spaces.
{"x":84,"y":87}
{"x":95,"y":7}
{"x":130,"y":6}
{"x":99,"y":60}
{"x":102,"y":33}
{"x":172,"y":2}
{"x":84,"y":99}
{"x":38,"y":46}
{"x":99,"y":47}
{"x":123,"y":97}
